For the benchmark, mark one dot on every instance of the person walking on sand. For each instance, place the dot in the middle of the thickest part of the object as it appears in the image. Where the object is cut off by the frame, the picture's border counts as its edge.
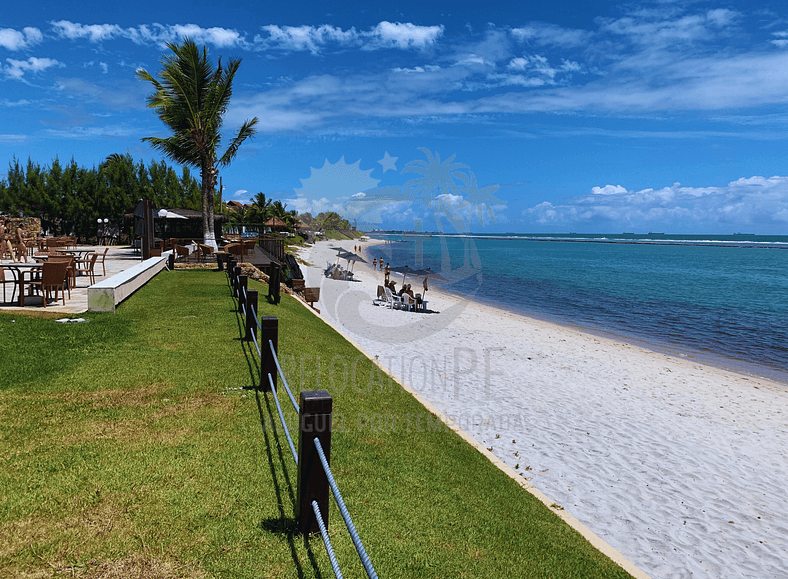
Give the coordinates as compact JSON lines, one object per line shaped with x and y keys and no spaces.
{"x":20,"y":244}
{"x":374,"y":264}
{"x":387,"y":272}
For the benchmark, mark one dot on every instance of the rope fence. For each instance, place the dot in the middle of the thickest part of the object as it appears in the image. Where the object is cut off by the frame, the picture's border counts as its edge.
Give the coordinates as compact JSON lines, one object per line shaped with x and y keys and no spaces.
{"x":314,"y":418}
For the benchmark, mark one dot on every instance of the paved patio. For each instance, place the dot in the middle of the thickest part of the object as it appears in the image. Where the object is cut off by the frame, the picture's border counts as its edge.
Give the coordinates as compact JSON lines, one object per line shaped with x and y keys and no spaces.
{"x":119,"y":258}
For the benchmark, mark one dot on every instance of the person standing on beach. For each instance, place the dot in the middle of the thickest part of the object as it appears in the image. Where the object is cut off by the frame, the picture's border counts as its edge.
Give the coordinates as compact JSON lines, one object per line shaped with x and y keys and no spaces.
{"x":387,"y":273}
{"x":424,"y":283}
{"x":374,"y":264}
{"x":20,"y":244}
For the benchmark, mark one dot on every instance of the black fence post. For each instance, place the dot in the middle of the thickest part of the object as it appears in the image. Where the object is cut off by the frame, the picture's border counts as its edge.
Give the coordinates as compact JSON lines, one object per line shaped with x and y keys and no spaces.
{"x":269,"y":330}
{"x":236,"y":275}
{"x":230,"y":274}
{"x":273,"y":282}
{"x":315,"y":421}
{"x":171,"y":260}
{"x":251,"y":315}
{"x":243,"y":281}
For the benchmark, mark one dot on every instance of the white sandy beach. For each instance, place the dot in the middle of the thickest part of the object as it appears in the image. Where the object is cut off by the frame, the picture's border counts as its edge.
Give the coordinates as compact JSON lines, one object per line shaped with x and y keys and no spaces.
{"x":678,"y":465}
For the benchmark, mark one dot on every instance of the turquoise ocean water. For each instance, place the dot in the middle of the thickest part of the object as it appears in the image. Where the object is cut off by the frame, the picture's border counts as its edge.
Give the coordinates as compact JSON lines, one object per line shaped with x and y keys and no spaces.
{"x":723,"y":299}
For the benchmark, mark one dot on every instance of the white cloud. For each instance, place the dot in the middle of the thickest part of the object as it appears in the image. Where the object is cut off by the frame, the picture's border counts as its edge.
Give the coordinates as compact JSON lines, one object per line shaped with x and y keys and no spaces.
{"x":405,"y":35}
{"x":16,"y":40}
{"x":17,"y":68}
{"x":745,"y":202}
{"x":311,"y":38}
{"x":241,"y":193}
{"x":608,"y":190}
{"x":219,"y":37}
{"x":149,"y":34}
{"x":315,"y":38}
{"x":543,"y":34}
{"x":92,"y":32}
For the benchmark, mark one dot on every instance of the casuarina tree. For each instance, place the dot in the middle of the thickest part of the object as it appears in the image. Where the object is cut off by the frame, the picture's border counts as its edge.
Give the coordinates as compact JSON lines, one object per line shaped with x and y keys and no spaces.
{"x":191,"y":98}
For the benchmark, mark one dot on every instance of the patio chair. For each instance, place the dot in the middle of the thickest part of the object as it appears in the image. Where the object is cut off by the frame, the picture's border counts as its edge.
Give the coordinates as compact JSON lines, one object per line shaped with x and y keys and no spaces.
{"x":249,"y":245}
{"x":71,"y":269}
{"x":89,"y":263}
{"x":205,"y":250}
{"x":4,"y":281}
{"x":408,"y":302}
{"x":181,"y":252}
{"x":53,"y":277}
{"x":101,"y":258}
{"x":392,"y":299}
{"x":236,"y":250}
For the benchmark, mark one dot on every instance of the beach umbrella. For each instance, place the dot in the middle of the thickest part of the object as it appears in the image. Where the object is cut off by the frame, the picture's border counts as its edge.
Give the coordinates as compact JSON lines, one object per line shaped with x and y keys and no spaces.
{"x":350,"y":256}
{"x":167,"y":214}
{"x":430,"y":274}
{"x":405,"y":270}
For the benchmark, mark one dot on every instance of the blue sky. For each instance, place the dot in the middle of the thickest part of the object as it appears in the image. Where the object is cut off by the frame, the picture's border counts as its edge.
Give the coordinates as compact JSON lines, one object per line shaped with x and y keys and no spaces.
{"x":572,"y":116}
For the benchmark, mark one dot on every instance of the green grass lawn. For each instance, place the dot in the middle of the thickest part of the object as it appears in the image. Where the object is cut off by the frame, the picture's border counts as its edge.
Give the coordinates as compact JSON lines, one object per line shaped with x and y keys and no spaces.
{"x":129,"y":448}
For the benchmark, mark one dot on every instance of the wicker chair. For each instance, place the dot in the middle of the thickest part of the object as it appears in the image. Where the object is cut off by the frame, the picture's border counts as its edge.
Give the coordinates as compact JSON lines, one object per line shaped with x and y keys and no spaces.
{"x":71,"y":269}
{"x":204,"y":250}
{"x":236,"y":250}
{"x":54,"y":275}
{"x":89,"y":263}
{"x":181,"y":252}
{"x":101,"y":258}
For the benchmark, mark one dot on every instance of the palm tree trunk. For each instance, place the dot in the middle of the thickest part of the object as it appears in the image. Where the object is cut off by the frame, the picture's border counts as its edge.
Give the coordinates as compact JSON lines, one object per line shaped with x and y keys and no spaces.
{"x":206,"y":172}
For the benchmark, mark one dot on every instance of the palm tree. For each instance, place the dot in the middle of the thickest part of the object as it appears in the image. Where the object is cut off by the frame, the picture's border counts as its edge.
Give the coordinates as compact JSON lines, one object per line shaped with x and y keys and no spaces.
{"x":260,"y":210}
{"x":191,"y":98}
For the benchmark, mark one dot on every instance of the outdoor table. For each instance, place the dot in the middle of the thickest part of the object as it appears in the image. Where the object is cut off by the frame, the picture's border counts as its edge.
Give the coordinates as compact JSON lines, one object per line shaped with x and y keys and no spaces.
{"x":18,"y":270}
{"x":79,"y":253}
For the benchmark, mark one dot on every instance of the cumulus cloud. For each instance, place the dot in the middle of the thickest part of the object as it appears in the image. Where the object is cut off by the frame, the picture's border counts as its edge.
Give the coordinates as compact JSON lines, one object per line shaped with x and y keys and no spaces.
{"x":91,"y":32}
{"x":311,"y":38}
{"x":608,"y":190}
{"x":148,"y":34}
{"x":404,"y":35}
{"x":16,"y":69}
{"x":761,"y":201}
{"x":315,"y":38}
{"x":15,"y":40}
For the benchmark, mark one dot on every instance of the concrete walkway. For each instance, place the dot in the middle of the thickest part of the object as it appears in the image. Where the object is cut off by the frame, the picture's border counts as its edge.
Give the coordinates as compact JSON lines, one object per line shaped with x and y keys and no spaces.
{"x":119,"y":258}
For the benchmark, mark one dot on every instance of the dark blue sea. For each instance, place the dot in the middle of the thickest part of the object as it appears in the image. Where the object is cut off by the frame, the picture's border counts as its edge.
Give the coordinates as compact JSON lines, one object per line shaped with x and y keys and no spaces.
{"x":722,"y":299}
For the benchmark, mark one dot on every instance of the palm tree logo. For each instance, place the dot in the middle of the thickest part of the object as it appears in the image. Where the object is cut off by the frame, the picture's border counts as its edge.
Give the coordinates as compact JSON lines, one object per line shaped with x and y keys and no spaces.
{"x":450,"y":189}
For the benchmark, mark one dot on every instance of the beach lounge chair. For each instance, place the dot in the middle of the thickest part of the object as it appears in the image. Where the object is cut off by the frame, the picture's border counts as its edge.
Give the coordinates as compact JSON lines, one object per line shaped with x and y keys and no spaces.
{"x":381,"y":299}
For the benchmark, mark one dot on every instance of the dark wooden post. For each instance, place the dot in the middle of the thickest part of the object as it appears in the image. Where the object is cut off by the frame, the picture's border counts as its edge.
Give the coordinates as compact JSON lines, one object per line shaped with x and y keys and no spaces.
{"x":243,"y":281}
{"x":269,"y":330}
{"x":273,"y":282}
{"x":315,"y":421}
{"x":236,"y":276}
{"x":251,"y":316}
{"x":171,"y":260}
